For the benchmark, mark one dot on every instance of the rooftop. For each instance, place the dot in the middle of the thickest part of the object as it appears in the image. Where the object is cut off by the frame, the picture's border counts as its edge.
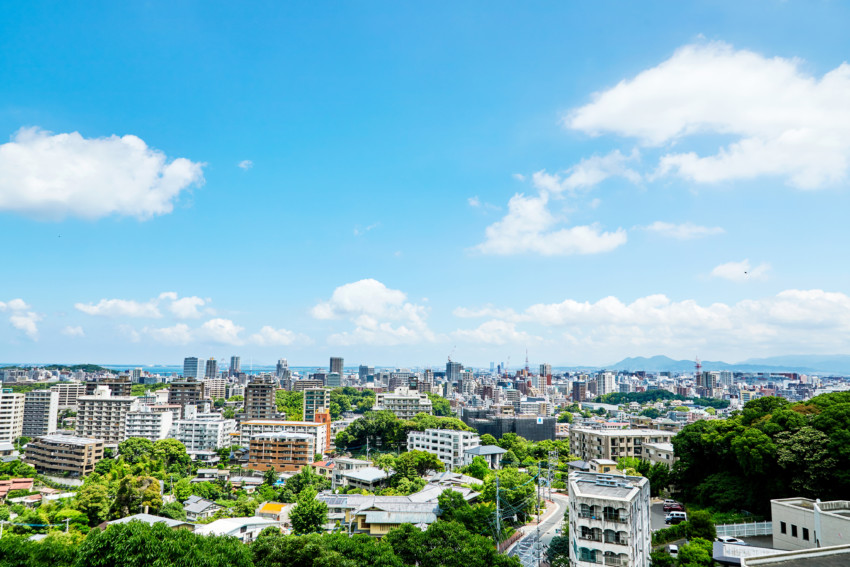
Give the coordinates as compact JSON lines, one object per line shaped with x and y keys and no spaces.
{"x":68,"y":439}
{"x":228,"y":525}
{"x":486,"y":450}
{"x":149,"y":519}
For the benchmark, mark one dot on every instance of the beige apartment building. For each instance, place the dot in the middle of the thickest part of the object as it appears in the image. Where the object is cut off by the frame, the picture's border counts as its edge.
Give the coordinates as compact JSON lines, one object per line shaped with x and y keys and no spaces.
{"x":612,"y":444}
{"x":59,"y":454}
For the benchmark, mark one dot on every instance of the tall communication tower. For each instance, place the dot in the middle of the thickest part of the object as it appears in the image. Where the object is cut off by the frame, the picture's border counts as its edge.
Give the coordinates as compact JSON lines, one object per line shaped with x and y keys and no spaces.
{"x":699,"y":368}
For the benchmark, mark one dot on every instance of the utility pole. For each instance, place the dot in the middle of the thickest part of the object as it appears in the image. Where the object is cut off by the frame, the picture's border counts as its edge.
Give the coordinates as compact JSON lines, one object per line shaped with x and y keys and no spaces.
{"x":367,"y":448}
{"x":67,"y":521}
{"x":538,"y":543}
{"x":498,"y":518}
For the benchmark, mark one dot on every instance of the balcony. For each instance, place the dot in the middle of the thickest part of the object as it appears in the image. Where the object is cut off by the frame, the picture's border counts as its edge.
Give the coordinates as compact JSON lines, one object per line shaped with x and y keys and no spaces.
{"x":615,"y":561}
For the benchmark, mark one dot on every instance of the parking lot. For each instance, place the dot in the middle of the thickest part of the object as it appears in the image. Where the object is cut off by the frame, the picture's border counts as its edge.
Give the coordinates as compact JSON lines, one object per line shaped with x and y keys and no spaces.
{"x":657,"y":515}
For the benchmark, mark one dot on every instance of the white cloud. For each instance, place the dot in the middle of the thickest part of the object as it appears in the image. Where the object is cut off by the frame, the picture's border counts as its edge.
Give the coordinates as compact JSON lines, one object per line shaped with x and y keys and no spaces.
{"x":495,"y":332}
{"x":14,"y":305}
{"x":684,"y":231}
{"x":179,"y":334}
{"x":486,"y":311}
{"x":381,"y":316}
{"x":474,"y":201}
{"x":529,"y":226}
{"x":223,"y":331}
{"x":518,"y":176}
{"x":52,"y":176}
{"x":121,"y":308}
{"x":786,"y":122}
{"x":245,"y":164}
{"x":269,"y":336}
{"x":187,"y":307}
{"x":588,"y":173}
{"x":740,"y":271}
{"x":26,"y":322}
{"x":70,"y":331}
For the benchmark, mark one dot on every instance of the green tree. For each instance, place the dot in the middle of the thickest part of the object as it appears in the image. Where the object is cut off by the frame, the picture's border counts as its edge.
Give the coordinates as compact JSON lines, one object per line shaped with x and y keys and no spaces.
{"x":488,"y":439}
{"x":173,"y":510}
{"x":270,"y":477}
{"x":135,"y":449}
{"x":700,"y":525}
{"x":172,"y":453}
{"x":558,"y":552}
{"x":510,"y":459}
{"x":134,"y":494}
{"x":309,"y":514}
{"x":440,"y":405}
{"x":478,"y":468}
{"x":696,"y":553}
{"x":661,"y":558}
{"x":93,"y":501}
{"x":290,"y":403}
{"x":182,"y":489}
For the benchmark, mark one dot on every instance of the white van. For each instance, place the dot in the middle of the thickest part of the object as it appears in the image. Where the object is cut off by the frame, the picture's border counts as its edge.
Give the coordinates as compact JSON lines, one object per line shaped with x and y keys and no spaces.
{"x":673,"y":550}
{"x":674,"y":518}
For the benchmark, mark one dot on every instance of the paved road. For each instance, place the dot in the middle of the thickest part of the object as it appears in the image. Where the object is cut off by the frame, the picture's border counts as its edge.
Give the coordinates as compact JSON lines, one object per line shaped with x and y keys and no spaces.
{"x":527,"y":548}
{"x":657,"y":515}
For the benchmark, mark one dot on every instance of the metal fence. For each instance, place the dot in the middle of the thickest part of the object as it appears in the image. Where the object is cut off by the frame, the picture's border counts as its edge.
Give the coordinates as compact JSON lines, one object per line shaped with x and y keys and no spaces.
{"x":745,"y":530}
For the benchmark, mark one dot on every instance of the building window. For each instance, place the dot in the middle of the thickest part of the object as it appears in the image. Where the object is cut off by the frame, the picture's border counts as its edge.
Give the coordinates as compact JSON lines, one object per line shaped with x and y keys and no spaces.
{"x":806,"y":534}
{"x":793,"y":530}
{"x":783,"y":528}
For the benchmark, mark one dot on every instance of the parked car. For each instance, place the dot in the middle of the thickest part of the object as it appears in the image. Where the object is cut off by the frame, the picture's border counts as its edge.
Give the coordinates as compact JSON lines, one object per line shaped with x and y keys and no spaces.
{"x":674,"y":518}
{"x":670,"y":505}
{"x":673,"y":550}
{"x":731,"y":540}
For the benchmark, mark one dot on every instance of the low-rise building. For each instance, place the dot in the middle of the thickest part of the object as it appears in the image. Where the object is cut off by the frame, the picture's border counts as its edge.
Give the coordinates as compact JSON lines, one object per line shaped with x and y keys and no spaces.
{"x":150,"y":520}
{"x":366,"y":478}
{"x":245,"y":530}
{"x":490,"y":453}
{"x":802,"y":523}
{"x":198,"y":508}
{"x":343,"y":465}
{"x":60,"y":454}
{"x":377,"y":515}
{"x":614,"y":443}
{"x":448,"y":445}
{"x":404,"y":403}
{"x":248,"y":429}
{"x":661,"y":453}
{"x":609,"y":520}
{"x":281,"y":451}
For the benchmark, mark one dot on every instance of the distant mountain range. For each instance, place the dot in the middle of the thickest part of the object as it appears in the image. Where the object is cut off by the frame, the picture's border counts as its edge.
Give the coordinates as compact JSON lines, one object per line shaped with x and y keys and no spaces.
{"x":802,"y":363}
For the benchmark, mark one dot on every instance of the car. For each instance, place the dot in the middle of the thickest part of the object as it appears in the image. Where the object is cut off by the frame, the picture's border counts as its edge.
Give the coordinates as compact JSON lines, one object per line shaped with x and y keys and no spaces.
{"x":674,"y":518}
{"x":673,"y":505}
{"x":731,"y":540}
{"x":673,"y":550}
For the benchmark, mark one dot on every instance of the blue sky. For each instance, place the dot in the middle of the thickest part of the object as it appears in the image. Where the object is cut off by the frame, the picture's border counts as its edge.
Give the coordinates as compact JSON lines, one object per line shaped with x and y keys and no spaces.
{"x":393,"y":182}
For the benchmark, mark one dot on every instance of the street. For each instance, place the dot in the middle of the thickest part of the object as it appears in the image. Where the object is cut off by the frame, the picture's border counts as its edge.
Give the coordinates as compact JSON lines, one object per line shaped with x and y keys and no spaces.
{"x":527,"y":548}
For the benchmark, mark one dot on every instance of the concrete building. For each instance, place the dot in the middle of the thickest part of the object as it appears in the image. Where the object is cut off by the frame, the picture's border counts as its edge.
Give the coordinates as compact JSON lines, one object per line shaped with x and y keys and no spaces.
{"x":60,"y":454}
{"x":281,"y":451}
{"x":533,"y":428}
{"x":68,"y":394}
{"x":605,"y":383}
{"x":315,"y":400}
{"x":249,"y":429}
{"x":336,"y":365}
{"x":490,"y":453}
{"x":235,"y":365}
{"x":211,"y":369}
{"x":192,"y":368}
{"x":609,"y":520}
{"x":659,"y":453}
{"x":204,"y":432}
{"x":260,"y":399}
{"x":215,"y":388}
{"x":118,"y":385}
{"x":802,"y":523}
{"x":447,"y":444}
{"x":344,"y":465}
{"x":301,"y":385}
{"x":334,"y":380}
{"x":11,"y":415}
{"x":41,"y":411}
{"x":453,"y":370}
{"x":579,"y":391}
{"x":149,"y":424}
{"x":590,"y":444}
{"x":404,"y":403}
{"x":186,"y":392}
{"x":104,"y":416}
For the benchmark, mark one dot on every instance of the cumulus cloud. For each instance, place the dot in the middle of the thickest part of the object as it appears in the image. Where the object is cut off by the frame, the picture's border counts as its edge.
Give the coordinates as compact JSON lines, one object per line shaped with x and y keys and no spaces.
{"x":179,"y":334}
{"x":222,"y":331}
{"x":495,"y":332}
{"x":481,"y":312}
{"x":793,"y":320}
{"x":588,"y":173}
{"x":245,"y":164}
{"x":27,"y":323}
{"x":741,"y":271}
{"x":785,"y":122}
{"x":187,"y":307}
{"x":52,"y":176}
{"x":269,"y":336}
{"x":529,"y":226}
{"x":14,"y":305}
{"x":182,"y":308}
{"x":684,"y":231}
{"x":381,"y":316}
{"x":71,"y":331}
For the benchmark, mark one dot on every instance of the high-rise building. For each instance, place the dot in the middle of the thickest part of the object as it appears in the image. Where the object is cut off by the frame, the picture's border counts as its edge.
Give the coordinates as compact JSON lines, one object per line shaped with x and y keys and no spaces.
{"x":282,"y":368}
{"x":211,"y":369}
{"x":191,"y":368}
{"x":315,"y":399}
{"x":183,"y":392}
{"x":68,"y":393}
{"x":41,"y":410}
{"x":546,"y":370}
{"x":235,"y":365}
{"x":104,"y":416}
{"x":579,"y":391}
{"x":336,"y":364}
{"x":453,"y":370}
{"x":260,"y":399}
{"x":215,"y":388}
{"x":605,"y":383}
{"x":11,"y":415}
{"x":333,"y":380}
{"x":149,"y":424}
{"x":365,"y":371}
{"x":136,"y":375}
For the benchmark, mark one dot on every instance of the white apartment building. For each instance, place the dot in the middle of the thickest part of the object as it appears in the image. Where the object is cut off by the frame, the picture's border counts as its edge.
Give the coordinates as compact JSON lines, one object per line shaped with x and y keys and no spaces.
{"x":609,"y":520}
{"x":343,"y":465}
{"x":204,"y":432}
{"x":802,"y":523}
{"x":404,"y":403}
{"x":256,"y":426}
{"x":11,"y":415}
{"x":41,"y":411}
{"x":534,"y":408}
{"x":449,"y":445}
{"x":153,"y":425}
{"x":589,"y":444}
{"x":68,"y":394}
{"x":659,"y":453}
{"x":104,"y":416}
{"x":606,"y":383}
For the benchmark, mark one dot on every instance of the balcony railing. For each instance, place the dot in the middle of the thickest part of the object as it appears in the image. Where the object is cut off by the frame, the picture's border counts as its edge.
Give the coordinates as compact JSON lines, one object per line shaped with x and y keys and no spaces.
{"x":591,"y":537}
{"x":615,"y":562}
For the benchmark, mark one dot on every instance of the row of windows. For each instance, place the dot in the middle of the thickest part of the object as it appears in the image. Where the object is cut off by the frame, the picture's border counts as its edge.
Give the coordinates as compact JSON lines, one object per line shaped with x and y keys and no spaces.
{"x":783,"y":528}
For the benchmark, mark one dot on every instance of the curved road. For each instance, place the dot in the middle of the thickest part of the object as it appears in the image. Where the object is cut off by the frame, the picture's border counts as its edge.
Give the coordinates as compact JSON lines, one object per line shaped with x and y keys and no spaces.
{"x":527,"y":547}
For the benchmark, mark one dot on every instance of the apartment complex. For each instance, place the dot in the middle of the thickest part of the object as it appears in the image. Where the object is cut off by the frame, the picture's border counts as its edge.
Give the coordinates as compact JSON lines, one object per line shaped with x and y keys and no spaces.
{"x":204,"y":432}
{"x":60,"y":454}
{"x":260,"y":399}
{"x":249,"y":429}
{"x":590,"y":444}
{"x":104,"y":416}
{"x":185,"y":392}
{"x":68,"y":394}
{"x":315,"y":400}
{"x":118,"y":386}
{"x":404,"y":403}
{"x":609,"y":520}
{"x":802,"y":523}
{"x":11,"y":415}
{"x":41,"y":411}
{"x":149,"y":424}
{"x":281,"y":451}
{"x":448,"y":445}
{"x":301,"y":385}
{"x":215,"y":388}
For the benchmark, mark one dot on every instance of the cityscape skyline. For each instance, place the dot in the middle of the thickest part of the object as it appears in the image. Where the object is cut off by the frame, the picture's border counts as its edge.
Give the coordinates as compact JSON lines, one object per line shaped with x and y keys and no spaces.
{"x":685,"y":198}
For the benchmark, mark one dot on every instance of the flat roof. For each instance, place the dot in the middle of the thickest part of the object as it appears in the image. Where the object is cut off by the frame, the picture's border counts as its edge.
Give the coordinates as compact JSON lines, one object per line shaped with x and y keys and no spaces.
{"x":622,"y":432}
{"x":68,"y":439}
